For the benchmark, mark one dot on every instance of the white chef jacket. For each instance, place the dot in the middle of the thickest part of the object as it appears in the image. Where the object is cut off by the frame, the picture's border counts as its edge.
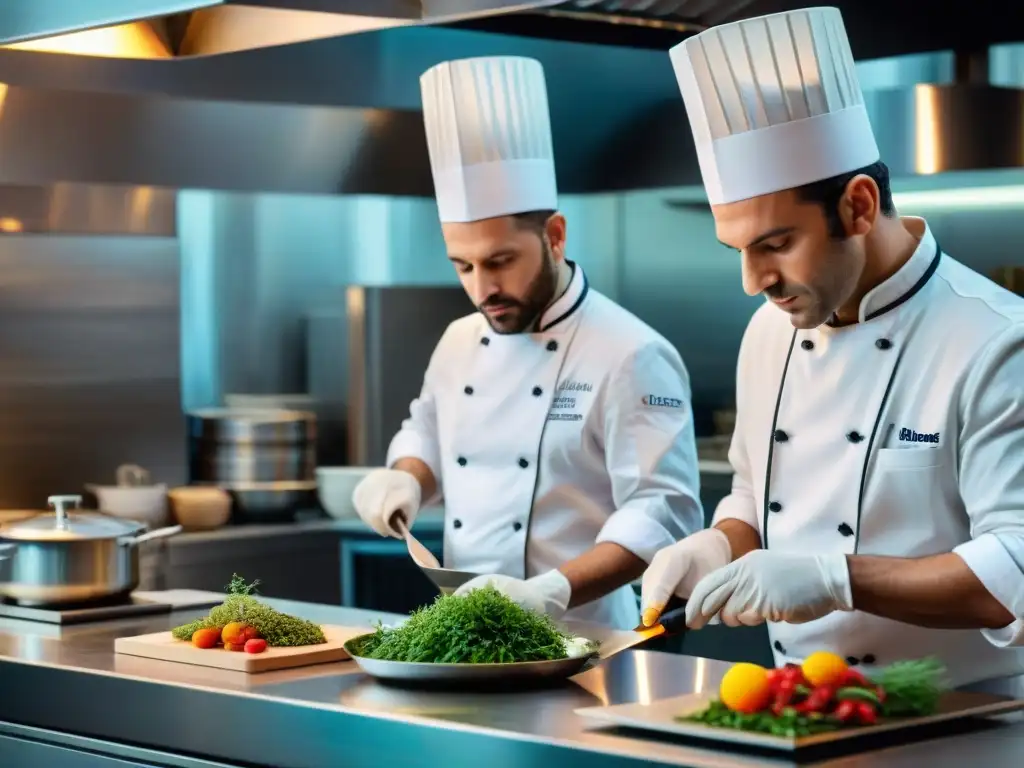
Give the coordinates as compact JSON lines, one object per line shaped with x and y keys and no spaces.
{"x":547,"y":443}
{"x":902,"y":435}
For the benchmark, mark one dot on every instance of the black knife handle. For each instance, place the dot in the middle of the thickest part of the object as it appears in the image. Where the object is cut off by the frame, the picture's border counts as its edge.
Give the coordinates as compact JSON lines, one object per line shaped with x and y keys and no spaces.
{"x":674,"y":621}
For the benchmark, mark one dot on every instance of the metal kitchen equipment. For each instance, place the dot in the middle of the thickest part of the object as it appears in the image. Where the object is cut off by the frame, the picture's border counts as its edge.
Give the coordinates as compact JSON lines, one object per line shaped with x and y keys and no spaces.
{"x":671,"y":623}
{"x":264,"y":458}
{"x":445,"y":579}
{"x":228,"y":446}
{"x":72,"y":557}
{"x":118,"y":607}
{"x":470,"y":674}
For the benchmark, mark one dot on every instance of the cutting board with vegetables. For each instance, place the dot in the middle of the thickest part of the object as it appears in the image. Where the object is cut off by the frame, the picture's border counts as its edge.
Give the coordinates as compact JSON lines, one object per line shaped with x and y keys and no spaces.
{"x":165,"y":647}
{"x":246,"y":635}
{"x":794,"y":707}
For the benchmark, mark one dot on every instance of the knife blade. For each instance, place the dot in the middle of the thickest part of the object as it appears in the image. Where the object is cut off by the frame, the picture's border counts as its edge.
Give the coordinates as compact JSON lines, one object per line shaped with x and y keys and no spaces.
{"x":671,"y":623}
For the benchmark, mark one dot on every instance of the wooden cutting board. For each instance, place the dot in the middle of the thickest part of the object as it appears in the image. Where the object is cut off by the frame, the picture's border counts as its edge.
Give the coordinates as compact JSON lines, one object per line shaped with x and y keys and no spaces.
{"x":163,"y":646}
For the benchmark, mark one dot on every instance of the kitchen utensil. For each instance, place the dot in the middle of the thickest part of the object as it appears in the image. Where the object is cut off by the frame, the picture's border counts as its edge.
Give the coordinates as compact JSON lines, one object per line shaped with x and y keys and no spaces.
{"x":163,"y":646}
{"x":198,"y":508}
{"x":421,"y":672}
{"x":133,"y":497}
{"x":420,"y":555}
{"x":335,"y":486}
{"x":231,"y":446}
{"x":268,"y":502}
{"x":65,"y":557}
{"x":445,"y":579}
{"x":671,"y":623}
{"x":662,"y":716}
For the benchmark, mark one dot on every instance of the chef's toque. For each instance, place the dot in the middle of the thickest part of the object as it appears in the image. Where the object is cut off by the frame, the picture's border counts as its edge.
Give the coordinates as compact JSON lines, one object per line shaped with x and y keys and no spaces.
{"x":774,"y":103}
{"x":489,"y":137}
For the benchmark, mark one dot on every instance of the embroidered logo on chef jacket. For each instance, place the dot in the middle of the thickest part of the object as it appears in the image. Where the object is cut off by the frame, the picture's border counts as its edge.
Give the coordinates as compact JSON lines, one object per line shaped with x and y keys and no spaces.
{"x":910,"y":436}
{"x":566,"y":404}
{"x":655,"y":401}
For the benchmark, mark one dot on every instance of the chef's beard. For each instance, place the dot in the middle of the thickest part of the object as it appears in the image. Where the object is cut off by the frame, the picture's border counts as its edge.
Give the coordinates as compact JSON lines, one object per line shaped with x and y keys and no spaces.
{"x":522,"y":314}
{"x":832,"y":288}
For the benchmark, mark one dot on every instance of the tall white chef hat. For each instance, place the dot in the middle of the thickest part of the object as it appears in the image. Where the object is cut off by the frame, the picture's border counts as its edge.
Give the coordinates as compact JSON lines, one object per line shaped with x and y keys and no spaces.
{"x":774,"y":103}
{"x":489,"y":137}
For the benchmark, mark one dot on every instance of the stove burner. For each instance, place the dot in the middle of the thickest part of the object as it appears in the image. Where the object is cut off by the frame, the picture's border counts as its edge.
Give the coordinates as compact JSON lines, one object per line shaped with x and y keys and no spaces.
{"x":117,"y":607}
{"x":123,"y":598}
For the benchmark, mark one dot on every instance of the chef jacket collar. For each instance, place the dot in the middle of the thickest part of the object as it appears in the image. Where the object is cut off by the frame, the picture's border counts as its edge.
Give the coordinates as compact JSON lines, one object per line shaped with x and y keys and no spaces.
{"x":566,"y":304}
{"x":908,"y":280}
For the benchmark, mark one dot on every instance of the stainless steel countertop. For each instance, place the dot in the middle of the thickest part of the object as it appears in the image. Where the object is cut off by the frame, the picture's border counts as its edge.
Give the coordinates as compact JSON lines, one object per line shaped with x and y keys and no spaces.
{"x":318,"y":704}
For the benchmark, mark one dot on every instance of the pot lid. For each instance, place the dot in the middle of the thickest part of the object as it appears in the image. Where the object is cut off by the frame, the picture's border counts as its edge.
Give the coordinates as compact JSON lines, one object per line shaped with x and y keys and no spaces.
{"x":63,"y":525}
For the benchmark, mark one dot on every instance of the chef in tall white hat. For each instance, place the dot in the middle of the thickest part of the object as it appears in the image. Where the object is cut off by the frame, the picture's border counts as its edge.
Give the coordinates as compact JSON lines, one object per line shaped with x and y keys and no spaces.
{"x":554,"y":426}
{"x":877,"y":507}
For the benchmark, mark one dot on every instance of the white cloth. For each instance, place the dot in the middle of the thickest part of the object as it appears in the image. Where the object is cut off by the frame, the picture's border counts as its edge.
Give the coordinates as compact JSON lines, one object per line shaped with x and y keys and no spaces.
{"x":384,"y":492}
{"x":549,"y":593}
{"x":677,"y":569}
{"x":773,"y":103}
{"x":907,"y":461}
{"x":771,"y":586}
{"x":545,"y":444}
{"x":489,"y":137}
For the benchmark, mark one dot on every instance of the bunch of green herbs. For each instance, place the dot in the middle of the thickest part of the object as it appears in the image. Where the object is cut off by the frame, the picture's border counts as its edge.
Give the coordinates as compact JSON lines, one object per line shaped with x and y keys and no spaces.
{"x":278,"y":629}
{"x":481,"y":627}
{"x":912,"y":688}
{"x":789,"y":724}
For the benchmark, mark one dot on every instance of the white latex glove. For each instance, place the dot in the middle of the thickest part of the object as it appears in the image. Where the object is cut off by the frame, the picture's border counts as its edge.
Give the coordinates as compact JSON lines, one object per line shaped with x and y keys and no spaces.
{"x":678,"y":568}
{"x":770,"y":586}
{"x":384,"y":492}
{"x":548,"y":593}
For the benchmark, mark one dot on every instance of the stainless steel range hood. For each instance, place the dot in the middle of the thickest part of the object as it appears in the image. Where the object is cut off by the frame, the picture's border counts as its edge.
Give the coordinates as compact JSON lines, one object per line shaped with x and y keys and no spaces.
{"x":207,"y":27}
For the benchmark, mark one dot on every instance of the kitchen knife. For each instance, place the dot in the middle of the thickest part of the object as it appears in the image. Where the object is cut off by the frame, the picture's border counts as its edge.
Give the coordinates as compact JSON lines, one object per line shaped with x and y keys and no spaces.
{"x":671,"y":623}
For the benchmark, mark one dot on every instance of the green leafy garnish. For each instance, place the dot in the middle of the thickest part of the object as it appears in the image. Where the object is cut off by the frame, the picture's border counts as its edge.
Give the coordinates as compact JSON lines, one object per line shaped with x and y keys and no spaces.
{"x":481,"y":627}
{"x":789,"y":724}
{"x":912,"y":688}
{"x":278,"y":629}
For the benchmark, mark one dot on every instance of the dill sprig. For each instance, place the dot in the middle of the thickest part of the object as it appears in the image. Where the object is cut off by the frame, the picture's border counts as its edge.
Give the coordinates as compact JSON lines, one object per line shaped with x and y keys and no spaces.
{"x":481,"y":627}
{"x":912,"y":687}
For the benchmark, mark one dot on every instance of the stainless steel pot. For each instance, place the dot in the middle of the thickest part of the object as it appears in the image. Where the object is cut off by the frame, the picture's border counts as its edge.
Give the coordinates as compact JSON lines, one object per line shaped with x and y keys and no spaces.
{"x":71,"y":557}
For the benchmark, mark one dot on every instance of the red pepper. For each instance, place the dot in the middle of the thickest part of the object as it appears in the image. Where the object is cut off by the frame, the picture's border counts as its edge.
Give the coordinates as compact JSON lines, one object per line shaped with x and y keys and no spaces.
{"x":774,"y":678}
{"x":783,"y":695}
{"x":794,"y":673}
{"x":866,"y":713}
{"x":855,"y":678}
{"x":818,"y":700}
{"x":846,"y":711}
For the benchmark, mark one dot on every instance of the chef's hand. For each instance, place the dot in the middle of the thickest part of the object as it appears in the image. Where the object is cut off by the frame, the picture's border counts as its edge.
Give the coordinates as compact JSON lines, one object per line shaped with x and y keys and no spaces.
{"x":678,"y":568}
{"x":771,"y":586}
{"x":384,"y":492}
{"x":548,"y":593}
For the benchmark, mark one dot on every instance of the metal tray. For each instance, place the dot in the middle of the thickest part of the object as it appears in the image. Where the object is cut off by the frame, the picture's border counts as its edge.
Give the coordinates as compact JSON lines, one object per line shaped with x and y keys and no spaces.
{"x":660,"y":717}
{"x":426,"y":673}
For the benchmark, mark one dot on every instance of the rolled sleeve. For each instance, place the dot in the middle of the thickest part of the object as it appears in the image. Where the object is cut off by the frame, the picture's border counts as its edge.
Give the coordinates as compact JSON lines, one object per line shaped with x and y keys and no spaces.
{"x":991,"y":461}
{"x":651,"y":453}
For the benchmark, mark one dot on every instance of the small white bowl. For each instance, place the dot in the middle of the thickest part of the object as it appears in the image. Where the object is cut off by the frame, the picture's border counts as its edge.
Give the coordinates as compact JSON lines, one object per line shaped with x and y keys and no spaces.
{"x":335,"y":486}
{"x":145,"y":503}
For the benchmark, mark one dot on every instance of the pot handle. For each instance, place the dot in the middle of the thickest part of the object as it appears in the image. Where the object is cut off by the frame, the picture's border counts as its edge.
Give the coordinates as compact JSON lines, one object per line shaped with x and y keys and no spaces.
{"x":58,"y":502}
{"x":159,"y":533}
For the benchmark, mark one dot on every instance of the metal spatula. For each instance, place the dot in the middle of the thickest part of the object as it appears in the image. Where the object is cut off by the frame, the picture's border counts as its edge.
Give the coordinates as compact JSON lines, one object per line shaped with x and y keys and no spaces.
{"x":671,"y":623}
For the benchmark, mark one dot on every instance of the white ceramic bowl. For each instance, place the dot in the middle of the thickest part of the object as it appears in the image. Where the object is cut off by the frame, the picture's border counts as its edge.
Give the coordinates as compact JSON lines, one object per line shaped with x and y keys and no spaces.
{"x":145,"y":503}
{"x":335,"y":486}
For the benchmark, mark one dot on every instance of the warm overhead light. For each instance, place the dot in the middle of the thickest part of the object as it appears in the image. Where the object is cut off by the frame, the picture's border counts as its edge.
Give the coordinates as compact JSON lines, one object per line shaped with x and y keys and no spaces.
{"x":1007,"y":196}
{"x":8,"y":224}
{"x":135,"y":40}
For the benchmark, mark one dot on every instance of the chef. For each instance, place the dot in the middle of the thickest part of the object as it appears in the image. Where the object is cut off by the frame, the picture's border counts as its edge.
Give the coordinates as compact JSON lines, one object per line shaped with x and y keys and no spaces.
{"x":554,"y":426}
{"x":877,"y":506}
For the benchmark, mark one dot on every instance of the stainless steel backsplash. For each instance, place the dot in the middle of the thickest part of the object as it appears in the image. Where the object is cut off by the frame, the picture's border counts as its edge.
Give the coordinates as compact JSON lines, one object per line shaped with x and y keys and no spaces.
{"x":104,"y":339}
